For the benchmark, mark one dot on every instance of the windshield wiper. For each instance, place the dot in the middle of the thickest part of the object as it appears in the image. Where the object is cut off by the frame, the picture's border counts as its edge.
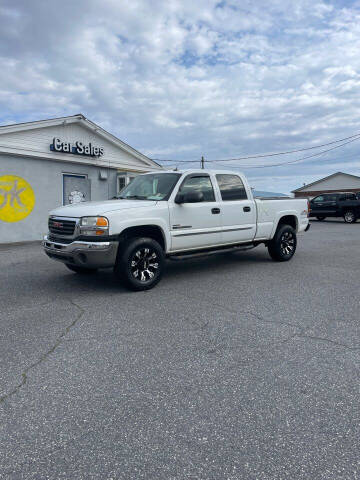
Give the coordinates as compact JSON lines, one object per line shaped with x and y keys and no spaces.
{"x":133,"y":197}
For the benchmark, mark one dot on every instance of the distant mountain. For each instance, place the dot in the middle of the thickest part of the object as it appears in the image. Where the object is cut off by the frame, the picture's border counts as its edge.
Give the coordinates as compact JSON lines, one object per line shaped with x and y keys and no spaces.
{"x":259,"y":193}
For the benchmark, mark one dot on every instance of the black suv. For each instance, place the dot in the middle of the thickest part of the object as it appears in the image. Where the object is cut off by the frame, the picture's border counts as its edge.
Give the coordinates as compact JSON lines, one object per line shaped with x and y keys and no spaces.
{"x":344,"y":204}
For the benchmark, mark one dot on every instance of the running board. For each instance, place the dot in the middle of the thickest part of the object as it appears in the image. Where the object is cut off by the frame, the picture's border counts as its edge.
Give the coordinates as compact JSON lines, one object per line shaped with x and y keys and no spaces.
{"x":183,"y":256}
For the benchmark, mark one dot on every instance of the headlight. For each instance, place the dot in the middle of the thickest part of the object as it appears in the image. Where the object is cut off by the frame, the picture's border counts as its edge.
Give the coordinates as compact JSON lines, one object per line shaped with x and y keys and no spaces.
{"x":94,"y":226}
{"x":94,"y":222}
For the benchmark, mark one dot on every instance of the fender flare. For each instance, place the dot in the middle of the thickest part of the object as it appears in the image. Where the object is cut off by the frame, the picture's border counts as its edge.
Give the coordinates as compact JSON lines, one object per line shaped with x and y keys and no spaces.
{"x":280,"y":215}
{"x":148,"y":222}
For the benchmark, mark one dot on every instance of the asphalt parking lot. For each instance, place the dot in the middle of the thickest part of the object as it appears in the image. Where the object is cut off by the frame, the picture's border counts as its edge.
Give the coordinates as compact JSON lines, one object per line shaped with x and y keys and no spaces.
{"x":233,"y":367}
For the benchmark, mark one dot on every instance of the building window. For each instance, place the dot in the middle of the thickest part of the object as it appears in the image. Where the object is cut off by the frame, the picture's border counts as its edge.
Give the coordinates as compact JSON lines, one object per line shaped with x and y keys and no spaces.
{"x":121,"y":183}
{"x":124,"y":179}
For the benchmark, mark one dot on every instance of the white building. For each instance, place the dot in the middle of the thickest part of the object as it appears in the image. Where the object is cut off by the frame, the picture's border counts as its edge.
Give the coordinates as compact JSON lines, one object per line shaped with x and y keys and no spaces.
{"x":48,"y":163}
{"x":337,"y":182}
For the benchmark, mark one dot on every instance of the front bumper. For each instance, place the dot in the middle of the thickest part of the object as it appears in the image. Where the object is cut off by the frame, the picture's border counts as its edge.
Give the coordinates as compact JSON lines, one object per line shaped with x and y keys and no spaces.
{"x":83,"y":254}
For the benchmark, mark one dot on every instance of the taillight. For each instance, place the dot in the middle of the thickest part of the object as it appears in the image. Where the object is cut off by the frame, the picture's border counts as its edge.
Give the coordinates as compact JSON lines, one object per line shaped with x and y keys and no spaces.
{"x":308,"y":208}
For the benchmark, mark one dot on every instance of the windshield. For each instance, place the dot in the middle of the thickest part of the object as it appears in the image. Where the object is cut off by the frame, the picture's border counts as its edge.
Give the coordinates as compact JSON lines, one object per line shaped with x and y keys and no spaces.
{"x":155,"y":186}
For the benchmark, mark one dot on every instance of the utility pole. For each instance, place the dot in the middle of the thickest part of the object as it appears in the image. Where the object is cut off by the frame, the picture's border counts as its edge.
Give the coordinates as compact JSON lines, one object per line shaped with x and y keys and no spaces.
{"x":202,"y":162}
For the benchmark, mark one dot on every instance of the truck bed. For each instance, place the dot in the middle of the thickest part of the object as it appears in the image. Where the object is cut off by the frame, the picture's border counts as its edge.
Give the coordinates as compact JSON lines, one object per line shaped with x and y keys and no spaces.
{"x":268,"y":212}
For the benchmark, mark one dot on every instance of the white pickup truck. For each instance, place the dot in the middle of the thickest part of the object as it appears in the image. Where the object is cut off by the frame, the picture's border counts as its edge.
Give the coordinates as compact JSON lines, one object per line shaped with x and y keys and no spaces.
{"x":172,"y":215}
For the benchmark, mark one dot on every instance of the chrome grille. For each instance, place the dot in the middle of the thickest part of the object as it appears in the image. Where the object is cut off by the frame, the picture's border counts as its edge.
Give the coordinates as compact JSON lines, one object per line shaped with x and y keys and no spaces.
{"x":66,"y":241}
{"x":61,"y":226}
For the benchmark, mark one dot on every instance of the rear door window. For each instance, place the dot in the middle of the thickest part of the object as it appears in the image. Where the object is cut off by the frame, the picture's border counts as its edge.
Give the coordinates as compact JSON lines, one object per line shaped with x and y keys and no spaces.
{"x":347,"y":196}
{"x":231,"y":187}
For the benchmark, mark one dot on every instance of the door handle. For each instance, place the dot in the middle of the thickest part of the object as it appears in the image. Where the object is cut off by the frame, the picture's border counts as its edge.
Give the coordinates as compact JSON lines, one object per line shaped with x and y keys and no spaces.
{"x":215,"y":210}
{"x":247,"y":209}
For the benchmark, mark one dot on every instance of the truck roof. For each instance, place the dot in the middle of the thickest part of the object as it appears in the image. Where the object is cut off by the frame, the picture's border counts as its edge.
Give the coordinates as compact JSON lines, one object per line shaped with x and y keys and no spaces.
{"x":199,"y":170}
{"x":336,"y":193}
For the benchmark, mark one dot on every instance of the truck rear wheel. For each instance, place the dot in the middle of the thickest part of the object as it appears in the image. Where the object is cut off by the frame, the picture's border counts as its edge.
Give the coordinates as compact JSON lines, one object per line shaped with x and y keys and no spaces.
{"x":283,"y":246}
{"x":349,"y":216}
{"x":140,"y":263}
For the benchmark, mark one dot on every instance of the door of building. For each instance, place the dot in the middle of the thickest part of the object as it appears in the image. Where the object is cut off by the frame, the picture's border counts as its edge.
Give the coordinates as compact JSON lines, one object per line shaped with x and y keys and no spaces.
{"x":76,"y":188}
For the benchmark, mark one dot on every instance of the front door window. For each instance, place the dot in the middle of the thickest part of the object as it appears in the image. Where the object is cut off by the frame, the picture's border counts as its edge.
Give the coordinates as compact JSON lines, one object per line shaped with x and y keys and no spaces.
{"x":199,"y":184}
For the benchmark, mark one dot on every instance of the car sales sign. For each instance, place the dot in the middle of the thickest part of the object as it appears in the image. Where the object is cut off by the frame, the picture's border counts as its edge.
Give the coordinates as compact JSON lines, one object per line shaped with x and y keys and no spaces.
{"x":78,"y":148}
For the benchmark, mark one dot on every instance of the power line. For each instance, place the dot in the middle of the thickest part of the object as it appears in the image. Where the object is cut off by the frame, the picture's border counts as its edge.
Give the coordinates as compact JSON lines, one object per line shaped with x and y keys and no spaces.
{"x":299,"y":159}
{"x":249,"y":157}
{"x":354,"y":137}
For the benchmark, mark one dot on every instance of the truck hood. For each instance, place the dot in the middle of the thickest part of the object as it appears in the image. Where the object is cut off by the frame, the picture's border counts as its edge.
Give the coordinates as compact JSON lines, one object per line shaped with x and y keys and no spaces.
{"x":93,"y":209}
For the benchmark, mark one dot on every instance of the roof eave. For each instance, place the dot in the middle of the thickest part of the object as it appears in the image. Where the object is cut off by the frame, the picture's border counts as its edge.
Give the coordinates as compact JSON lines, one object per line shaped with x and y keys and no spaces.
{"x":116,"y":141}
{"x":80,"y":118}
{"x":317,"y":181}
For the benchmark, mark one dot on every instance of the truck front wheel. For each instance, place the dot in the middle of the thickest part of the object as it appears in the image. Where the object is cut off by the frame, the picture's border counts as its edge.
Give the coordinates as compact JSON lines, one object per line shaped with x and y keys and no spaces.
{"x":282,"y":247}
{"x":140,"y":263}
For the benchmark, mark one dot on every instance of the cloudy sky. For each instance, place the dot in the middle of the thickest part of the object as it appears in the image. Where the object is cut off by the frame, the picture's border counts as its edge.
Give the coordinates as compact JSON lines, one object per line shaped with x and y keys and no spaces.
{"x":179,"y":79}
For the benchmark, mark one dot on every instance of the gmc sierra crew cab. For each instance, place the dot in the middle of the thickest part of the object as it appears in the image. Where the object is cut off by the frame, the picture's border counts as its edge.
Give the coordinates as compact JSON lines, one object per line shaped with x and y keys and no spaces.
{"x":172,"y":214}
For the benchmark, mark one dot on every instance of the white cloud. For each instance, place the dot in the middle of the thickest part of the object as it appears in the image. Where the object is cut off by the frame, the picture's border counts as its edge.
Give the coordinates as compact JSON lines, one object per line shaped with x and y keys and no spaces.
{"x":181,"y":79}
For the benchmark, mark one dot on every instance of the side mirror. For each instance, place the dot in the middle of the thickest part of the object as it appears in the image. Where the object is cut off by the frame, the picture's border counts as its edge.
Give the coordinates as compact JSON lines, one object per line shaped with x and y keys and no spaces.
{"x":179,"y":198}
{"x":191,"y":197}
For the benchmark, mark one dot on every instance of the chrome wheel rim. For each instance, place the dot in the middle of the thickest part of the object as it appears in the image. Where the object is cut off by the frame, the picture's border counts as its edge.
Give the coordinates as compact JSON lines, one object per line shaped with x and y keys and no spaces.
{"x":287,"y":243}
{"x":349,"y":217}
{"x":144,"y":264}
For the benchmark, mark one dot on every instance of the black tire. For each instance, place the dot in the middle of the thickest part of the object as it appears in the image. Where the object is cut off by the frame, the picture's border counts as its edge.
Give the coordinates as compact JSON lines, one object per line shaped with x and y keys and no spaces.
{"x":349,"y":216}
{"x":140,"y":263}
{"x":283,"y":246}
{"x":321,"y":219}
{"x":81,"y":270}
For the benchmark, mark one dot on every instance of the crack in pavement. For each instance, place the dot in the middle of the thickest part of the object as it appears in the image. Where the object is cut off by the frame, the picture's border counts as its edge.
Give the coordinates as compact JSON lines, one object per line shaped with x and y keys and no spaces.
{"x":249,"y":312}
{"x":60,"y":338}
{"x":300,"y":334}
{"x":327,"y":340}
{"x":203,"y":328}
